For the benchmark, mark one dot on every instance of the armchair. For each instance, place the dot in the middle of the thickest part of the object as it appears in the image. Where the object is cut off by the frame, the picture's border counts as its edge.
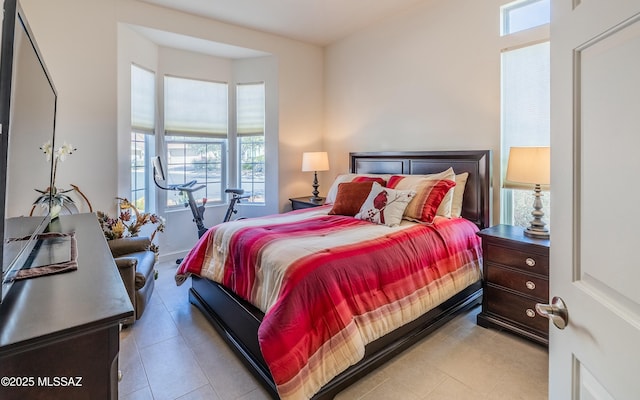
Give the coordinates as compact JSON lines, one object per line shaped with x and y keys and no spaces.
{"x":136,"y":264}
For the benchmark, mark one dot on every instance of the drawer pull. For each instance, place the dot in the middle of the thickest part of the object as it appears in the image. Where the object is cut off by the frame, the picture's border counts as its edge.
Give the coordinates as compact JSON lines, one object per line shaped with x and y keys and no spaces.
{"x":530,"y":285}
{"x":530,"y":262}
{"x":531,"y":313}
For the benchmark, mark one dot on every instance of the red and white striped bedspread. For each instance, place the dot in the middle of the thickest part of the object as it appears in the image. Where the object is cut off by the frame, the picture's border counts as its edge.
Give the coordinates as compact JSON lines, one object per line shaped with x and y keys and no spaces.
{"x":331,"y":284}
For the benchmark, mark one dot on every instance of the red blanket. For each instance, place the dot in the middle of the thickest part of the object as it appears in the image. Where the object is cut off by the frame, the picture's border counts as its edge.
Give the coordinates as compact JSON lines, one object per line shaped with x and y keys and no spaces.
{"x":331,"y":284}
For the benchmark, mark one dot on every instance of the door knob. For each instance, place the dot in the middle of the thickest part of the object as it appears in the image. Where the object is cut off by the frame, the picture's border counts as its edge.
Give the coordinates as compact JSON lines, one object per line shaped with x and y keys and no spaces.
{"x":556,"y":311}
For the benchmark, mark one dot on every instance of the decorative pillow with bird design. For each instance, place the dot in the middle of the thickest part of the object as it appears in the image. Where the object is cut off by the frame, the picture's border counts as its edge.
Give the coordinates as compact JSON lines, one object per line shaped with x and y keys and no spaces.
{"x":385,"y":206}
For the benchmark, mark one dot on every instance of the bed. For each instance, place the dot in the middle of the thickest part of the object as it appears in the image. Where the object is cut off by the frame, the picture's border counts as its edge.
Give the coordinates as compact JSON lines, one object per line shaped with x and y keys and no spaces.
{"x":239,"y":321}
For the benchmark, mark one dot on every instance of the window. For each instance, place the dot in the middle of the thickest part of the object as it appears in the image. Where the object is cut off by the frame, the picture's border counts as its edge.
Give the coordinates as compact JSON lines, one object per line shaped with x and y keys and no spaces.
{"x":524,"y":14}
{"x":525,"y":114}
{"x":143,"y":97}
{"x":250,"y":109}
{"x":196,"y":125}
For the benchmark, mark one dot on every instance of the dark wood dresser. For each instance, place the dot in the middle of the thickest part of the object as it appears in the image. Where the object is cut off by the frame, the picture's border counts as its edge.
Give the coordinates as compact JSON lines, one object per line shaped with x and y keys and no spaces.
{"x":516,"y":277}
{"x":59,"y":334}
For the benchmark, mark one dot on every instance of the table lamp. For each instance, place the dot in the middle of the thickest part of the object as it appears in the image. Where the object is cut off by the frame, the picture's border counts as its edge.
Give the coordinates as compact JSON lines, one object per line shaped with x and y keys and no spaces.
{"x":527,"y":167}
{"x":315,"y":161}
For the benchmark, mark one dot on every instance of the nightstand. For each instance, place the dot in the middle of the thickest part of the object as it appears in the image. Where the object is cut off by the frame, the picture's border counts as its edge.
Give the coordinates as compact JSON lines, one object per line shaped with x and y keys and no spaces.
{"x":515,"y":278}
{"x":298,"y":203}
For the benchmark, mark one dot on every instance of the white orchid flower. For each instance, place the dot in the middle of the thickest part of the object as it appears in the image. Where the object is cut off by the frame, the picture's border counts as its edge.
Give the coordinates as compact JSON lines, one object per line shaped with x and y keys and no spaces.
{"x":46,"y":149}
{"x":64,"y":150}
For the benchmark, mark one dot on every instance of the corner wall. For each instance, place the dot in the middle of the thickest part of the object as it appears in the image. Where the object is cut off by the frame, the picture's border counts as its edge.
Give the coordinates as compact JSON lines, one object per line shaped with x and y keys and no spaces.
{"x":426,"y":79}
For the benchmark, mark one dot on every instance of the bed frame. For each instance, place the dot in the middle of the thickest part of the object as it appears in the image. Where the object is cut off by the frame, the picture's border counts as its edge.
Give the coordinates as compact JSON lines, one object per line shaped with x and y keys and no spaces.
{"x":238,"y":321}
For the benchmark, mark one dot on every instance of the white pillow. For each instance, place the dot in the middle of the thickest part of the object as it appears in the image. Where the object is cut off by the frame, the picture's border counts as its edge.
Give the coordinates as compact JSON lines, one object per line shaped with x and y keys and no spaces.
{"x":385,"y":206}
{"x":458,"y":194}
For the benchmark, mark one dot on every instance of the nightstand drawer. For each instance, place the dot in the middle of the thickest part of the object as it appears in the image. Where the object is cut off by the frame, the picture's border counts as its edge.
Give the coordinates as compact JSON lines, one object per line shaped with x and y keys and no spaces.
{"x":526,"y":284}
{"x":526,"y":261}
{"x":515,"y":308}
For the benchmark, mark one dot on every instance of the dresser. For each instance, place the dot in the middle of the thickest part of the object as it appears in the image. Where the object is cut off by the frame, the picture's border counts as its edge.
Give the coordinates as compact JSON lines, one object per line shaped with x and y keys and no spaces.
{"x":515,"y":278}
{"x":59,"y":334}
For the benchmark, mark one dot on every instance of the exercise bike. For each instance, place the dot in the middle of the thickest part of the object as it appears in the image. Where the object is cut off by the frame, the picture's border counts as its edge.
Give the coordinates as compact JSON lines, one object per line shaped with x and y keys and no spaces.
{"x":189,"y":187}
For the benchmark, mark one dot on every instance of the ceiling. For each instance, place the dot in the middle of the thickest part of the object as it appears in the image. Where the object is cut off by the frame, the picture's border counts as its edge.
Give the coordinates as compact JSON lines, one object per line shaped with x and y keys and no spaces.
{"x":319,"y":22}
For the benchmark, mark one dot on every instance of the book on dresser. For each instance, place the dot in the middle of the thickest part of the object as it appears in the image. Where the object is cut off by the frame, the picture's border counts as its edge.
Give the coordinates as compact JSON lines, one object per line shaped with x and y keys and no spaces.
{"x":515,"y":279}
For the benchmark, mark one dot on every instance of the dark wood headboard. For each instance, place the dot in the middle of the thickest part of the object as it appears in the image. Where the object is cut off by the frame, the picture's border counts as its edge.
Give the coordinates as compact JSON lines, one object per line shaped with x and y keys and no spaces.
{"x":476,"y":205}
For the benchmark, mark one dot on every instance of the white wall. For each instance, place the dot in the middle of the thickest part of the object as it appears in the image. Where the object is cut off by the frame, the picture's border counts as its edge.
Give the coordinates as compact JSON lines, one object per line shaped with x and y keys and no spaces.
{"x":426,"y":79}
{"x":78,"y":42}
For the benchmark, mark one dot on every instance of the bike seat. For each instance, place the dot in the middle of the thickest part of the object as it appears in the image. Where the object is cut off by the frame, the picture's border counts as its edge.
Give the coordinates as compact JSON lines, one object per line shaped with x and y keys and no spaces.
{"x":234,"y":191}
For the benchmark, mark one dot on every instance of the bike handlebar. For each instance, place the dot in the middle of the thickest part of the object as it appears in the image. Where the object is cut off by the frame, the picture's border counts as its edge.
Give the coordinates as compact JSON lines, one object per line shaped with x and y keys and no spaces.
{"x":185,"y":187}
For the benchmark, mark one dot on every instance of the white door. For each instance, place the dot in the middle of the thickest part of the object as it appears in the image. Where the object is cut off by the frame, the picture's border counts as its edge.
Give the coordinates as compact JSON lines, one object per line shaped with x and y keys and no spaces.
{"x":595,"y":238}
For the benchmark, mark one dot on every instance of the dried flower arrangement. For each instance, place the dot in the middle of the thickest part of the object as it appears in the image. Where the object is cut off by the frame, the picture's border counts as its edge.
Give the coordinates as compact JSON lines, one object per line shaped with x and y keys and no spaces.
{"x":129,"y":222}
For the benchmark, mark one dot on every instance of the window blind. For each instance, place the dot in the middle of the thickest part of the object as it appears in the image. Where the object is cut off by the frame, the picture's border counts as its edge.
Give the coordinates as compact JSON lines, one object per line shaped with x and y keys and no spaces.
{"x":195,"y":107}
{"x":525,"y":98}
{"x":143,"y":95}
{"x":250,"y":103}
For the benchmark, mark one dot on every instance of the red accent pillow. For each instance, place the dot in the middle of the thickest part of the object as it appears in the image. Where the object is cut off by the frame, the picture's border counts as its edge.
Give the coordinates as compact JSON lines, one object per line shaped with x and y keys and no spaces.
{"x":350,"y":197}
{"x":429,"y":195}
{"x":369,"y":179}
{"x":394,"y":180}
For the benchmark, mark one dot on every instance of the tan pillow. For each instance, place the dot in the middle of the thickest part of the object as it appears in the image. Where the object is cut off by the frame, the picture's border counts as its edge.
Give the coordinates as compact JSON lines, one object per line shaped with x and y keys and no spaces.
{"x":429,"y":195}
{"x":350,"y":197}
{"x":405,"y":182}
{"x":458,"y":194}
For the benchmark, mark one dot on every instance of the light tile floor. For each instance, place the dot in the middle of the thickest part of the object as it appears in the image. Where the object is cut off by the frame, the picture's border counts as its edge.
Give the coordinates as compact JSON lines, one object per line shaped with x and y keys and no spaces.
{"x":172,"y":352}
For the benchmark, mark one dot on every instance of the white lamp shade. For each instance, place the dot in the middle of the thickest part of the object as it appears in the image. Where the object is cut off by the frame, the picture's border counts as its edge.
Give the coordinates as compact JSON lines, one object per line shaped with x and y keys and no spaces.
{"x":527,"y":167}
{"x":315,"y":161}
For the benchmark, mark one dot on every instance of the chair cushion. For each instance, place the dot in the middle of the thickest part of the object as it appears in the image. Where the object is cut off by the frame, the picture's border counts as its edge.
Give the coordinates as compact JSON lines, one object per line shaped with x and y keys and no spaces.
{"x":144,"y":267}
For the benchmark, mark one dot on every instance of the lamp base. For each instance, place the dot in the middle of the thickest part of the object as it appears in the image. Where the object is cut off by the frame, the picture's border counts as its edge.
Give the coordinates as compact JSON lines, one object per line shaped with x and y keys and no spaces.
{"x":316,"y":199}
{"x":537,"y":233}
{"x":537,"y":228}
{"x":315,"y":185}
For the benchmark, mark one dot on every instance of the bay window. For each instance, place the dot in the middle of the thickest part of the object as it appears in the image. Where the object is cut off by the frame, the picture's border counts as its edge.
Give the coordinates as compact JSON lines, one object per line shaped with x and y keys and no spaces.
{"x":206,"y":125}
